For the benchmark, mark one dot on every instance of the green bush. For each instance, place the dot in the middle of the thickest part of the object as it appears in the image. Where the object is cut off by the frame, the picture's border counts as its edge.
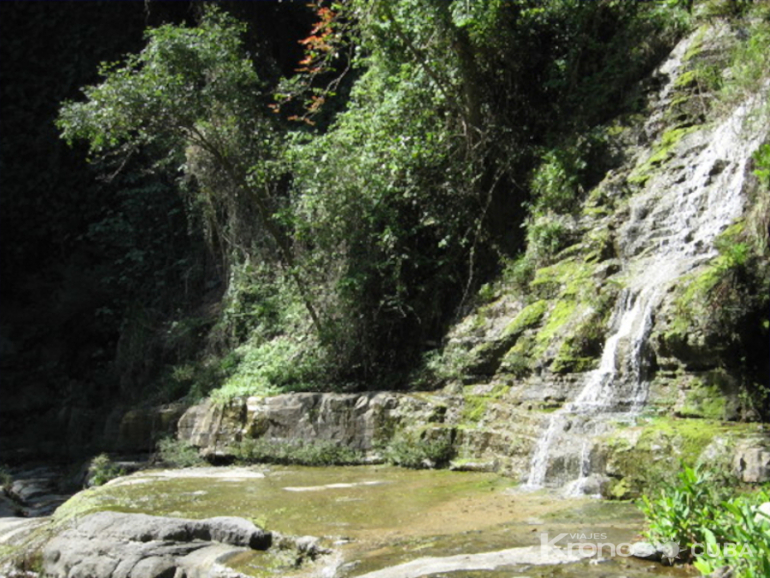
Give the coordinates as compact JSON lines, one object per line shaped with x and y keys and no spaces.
{"x":272,"y":367}
{"x":742,"y":525}
{"x":751,"y":59}
{"x":316,"y":453}
{"x":712,"y":525}
{"x":102,"y":470}
{"x":547,"y":235}
{"x":762,"y":165}
{"x":178,"y":453}
{"x":414,"y":451}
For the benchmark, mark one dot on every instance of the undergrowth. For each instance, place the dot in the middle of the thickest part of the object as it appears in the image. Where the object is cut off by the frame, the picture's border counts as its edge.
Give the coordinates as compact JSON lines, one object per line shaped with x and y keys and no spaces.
{"x":178,"y":453}
{"x":410,"y":450}
{"x":307,"y":453}
{"x":711,"y":524}
{"x":102,"y":469}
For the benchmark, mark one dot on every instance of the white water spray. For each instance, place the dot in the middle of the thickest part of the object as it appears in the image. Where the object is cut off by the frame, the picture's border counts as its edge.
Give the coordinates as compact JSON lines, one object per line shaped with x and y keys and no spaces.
{"x":674,"y":222}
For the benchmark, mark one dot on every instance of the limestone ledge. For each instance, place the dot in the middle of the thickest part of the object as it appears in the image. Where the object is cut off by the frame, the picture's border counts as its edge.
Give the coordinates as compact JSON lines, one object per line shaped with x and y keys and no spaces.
{"x":358,"y":421}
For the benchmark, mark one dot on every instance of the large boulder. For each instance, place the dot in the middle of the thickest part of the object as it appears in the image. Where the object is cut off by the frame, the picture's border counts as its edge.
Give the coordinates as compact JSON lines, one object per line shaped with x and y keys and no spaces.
{"x":118,"y":545}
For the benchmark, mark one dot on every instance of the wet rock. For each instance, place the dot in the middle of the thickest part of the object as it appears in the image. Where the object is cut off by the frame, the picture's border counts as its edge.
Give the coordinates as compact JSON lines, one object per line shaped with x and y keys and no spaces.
{"x":15,"y":531}
{"x":667,"y":553}
{"x":8,"y":508}
{"x":473,"y":466}
{"x":117,"y":545}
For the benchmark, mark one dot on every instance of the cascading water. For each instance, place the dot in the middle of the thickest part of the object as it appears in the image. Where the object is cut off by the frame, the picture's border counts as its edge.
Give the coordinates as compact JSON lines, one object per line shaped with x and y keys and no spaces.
{"x":672,"y":228}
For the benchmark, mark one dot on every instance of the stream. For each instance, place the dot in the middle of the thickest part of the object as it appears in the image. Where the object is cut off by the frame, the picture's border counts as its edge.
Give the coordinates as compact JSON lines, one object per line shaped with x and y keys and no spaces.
{"x":379,"y":520}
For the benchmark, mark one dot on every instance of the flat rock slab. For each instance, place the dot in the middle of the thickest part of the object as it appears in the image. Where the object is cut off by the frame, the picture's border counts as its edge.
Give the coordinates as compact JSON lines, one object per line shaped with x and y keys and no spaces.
{"x":117,"y":545}
{"x":530,"y":555}
{"x":225,"y":474}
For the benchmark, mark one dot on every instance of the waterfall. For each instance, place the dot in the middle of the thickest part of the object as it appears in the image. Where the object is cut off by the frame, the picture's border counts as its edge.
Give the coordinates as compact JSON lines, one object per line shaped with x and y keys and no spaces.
{"x":674,"y":221}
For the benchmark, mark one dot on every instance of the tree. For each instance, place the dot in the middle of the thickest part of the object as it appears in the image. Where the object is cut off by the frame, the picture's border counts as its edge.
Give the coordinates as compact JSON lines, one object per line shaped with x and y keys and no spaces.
{"x":193,"y":95}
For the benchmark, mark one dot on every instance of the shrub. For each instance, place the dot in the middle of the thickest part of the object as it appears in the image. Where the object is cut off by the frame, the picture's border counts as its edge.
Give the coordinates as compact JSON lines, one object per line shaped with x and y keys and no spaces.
{"x":742,"y":525}
{"x":712,"y":525}
{"x":315,"y":453}
{"x":102,"y":470}
{"x":272,"y":367}
{"x":547,"y":235}
{"x":178,"y":453}
{"x":414,"y":451}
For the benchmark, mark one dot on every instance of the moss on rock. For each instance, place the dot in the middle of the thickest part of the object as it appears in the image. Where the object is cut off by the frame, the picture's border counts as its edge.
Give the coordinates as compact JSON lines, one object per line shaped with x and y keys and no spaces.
{"x":643,"y":457}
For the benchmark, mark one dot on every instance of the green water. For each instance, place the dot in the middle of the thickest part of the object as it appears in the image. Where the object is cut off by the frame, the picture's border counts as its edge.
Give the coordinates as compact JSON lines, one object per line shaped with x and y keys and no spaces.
{"x":379,"y":516}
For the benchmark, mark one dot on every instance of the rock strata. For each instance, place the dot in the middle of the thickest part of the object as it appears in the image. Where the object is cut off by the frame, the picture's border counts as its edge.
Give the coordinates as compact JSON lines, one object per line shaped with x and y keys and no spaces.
{"x":117,"y":545}
{"x":357,"y":421}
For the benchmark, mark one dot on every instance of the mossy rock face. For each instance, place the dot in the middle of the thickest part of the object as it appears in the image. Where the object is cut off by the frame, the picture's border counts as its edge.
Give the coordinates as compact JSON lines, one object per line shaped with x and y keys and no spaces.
{"x":528,"y":317}
{"x":476,"y":403}
{"x":518,"y":360}
{"x":663,"y":151}
{"x":643,"y":457}
{"x":715,"y":395}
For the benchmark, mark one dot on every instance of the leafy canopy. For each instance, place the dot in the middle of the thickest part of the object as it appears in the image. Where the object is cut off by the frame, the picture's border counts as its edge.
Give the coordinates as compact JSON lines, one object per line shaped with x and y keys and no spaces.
{"x":189,"y":85}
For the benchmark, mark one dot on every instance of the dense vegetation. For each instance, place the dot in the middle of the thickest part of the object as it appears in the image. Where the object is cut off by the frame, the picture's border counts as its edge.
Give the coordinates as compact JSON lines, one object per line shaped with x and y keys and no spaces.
{"x":290,"y":196}
{"x":347,"y":242}
{"x":710,"y":524}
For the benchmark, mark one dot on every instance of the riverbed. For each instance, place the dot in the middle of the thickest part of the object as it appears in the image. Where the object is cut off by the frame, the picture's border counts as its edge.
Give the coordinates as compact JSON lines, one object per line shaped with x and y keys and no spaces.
{"x":378,"y":517}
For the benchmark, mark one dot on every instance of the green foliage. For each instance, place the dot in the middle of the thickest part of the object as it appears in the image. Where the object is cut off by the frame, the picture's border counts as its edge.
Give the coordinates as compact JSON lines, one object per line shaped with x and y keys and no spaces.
{"x":187,"y":82}
{"x":517,"y":273}
{"x":414,"y":450}
{"x":750,"y":58}
{"x":683,"y":511}
{"x":565,"y":173}
{"x":547,"y":235}
{"x":762,"y":165}
{"x":383,"y":223}
{"x":101,"y":470}
{"x":178,"y":453}
{"x":742,"y":525}
{"x":445,"y":365}
{"x":556,"y":184}
{"x":724,"y":8}
{"x":275,"y":366}
{"x":703,"y":515}
{"x":308,"y":453}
